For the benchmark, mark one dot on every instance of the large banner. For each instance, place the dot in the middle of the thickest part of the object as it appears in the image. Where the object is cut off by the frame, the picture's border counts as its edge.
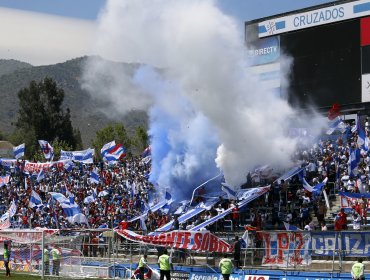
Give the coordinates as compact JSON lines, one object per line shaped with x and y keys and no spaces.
{"x":32,"y":167}
{"x":181,"y":239}
{"x":296,"y":248}
{"x":347,"y":199}
{"x":85,"y":156}
{"x":286,"y":248}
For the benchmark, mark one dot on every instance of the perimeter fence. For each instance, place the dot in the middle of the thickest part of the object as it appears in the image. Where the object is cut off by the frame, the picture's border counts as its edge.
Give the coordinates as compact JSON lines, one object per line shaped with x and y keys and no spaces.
{"x":105,"y":254}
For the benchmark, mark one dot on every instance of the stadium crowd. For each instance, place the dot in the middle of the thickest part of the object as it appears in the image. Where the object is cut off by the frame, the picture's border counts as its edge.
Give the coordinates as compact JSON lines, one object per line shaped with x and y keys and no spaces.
{"x":124,"y":191}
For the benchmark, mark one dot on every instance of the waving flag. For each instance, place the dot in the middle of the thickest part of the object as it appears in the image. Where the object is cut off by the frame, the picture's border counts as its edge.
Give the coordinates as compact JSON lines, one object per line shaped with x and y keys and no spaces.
{"x":40,"y":176}
{"x":291,"y":227}
{"x":336,"y":124}
{"x":4,"y":180}
{"x":35,"y":201}
{"x":107,"y":147}
{"x":47,"y":149}
{"x":85,"y":156}
{"x":118,"y":151}
{"x":354,"y":160}
{"x":89,"y":199}
{"x":19,"y":151}
{"x":248,"y":197}
{"x":142,"y":223}
{"x":68,"y":166}
{"x":231,"y":194}
{"x":5,"y":218}
{"x":70,"y":208}
{"x":147,"y":152}
{"x":114,"y":153}
{"x":5,"y":221}
{"x":361,"y":136}
{"x":94,"y":177}
{"x":12,"y":209}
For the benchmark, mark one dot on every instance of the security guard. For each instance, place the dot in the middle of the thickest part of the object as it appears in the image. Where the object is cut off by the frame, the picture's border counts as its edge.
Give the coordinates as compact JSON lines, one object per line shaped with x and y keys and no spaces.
{"x":358,"y":270}
{"x":55,"y":254}
{"x":7,"y":258}
{"x":46,"y":261}
{"x":165,"y":266}
{"x":142,"y":264}
{"x":226,"y":267}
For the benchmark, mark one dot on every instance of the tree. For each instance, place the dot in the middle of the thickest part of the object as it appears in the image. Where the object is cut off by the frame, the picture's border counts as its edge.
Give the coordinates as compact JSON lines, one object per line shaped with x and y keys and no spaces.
{"x":41,"y":113}
{"x":109,"y":133}
{"x":141,"y":139}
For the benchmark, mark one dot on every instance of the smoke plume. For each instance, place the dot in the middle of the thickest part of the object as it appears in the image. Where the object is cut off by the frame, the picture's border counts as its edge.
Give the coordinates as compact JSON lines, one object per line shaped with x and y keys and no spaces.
{"x":207,"y":112}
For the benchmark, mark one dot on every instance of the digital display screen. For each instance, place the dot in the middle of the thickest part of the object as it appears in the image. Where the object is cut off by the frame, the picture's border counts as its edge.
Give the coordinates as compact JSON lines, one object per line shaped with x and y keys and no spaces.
{"x":326,"y":64}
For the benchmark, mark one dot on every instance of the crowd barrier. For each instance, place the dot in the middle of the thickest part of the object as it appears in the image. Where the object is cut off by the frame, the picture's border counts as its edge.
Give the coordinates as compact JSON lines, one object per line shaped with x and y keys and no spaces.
{"x":105,"y":254}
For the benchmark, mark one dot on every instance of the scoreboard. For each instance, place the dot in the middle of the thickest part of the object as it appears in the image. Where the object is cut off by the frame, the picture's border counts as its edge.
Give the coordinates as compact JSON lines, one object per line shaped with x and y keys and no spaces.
{"x":326,"y":48}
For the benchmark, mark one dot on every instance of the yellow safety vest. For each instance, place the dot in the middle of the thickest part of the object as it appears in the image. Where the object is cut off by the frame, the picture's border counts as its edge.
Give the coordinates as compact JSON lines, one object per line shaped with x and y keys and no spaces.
{"x":55,"y":254}
{"x":226,"y":266}
{"x":6,"y":254}
{"x":164,"y":262}
{"x":142,"y":262}
{"x":46,"y":255}
{"x":358,"y":269}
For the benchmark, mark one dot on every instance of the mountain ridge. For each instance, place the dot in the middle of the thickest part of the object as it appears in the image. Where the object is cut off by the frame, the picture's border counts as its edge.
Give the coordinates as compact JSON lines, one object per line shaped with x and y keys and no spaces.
{"x":16,"y":75}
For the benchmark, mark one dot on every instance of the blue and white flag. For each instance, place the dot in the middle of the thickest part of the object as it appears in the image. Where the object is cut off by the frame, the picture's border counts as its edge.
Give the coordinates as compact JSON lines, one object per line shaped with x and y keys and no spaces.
{"x":69,"y":194}
{"x":354,"y":160}
{"x":248,"y":197}
{"x":68,"y":166}
{"x":84,"y":156}
{"x":182,"y":207}
{"x":47,"y":149}
{"x":89,"y":199}
{"x":361,"y":136}
{"x":291,"y":227}
{"x":336,"y":124}
{"x":59,"y":197}
{"x":35,"y":201}
{"x":289,"y":174}
{"x":231,"y":194}
{"x":40,"y":176}
{"x":168,"y":197}
{"x":19,"y":151}
{"x":12,"y":209}
{"x":107,"y":148}
{"x":5,"y":218}
{"x":70,"y":208}
{"x":111,"y":159}
{"x":142,"y":223}
{"x":94,"y":177}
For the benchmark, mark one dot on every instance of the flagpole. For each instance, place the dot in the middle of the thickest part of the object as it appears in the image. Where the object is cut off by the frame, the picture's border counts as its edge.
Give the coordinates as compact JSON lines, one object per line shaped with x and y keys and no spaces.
{"x":201,"y":185}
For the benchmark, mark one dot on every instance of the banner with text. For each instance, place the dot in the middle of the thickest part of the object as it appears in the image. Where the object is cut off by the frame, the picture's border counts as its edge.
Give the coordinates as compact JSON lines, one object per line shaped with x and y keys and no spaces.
{"x":286,"y":248}
{"x":190,"y":240}
{"x":32,"y":167}
{"x":296,"y":248}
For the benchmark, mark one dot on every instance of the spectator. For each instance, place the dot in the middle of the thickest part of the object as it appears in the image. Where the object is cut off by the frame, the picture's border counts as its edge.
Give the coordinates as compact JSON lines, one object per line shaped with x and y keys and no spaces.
{"x":340,"y":220}
{"x":237,"y":250}
{"x":356,"y":221}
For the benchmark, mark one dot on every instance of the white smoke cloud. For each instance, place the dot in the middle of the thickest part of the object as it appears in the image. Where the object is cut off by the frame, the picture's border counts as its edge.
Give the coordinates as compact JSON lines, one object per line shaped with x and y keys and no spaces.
{"x":42,"y":39}
{"x":202,"y":51}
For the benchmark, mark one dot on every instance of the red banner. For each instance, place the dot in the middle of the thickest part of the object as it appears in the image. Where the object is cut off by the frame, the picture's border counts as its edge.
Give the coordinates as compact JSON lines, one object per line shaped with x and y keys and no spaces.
{"x":46,"y":166}
{"x":182,"y":239}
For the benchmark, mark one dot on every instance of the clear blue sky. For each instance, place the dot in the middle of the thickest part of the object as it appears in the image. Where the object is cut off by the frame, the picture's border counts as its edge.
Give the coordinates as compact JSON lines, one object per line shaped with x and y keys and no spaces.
{"x":89,"y":9}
